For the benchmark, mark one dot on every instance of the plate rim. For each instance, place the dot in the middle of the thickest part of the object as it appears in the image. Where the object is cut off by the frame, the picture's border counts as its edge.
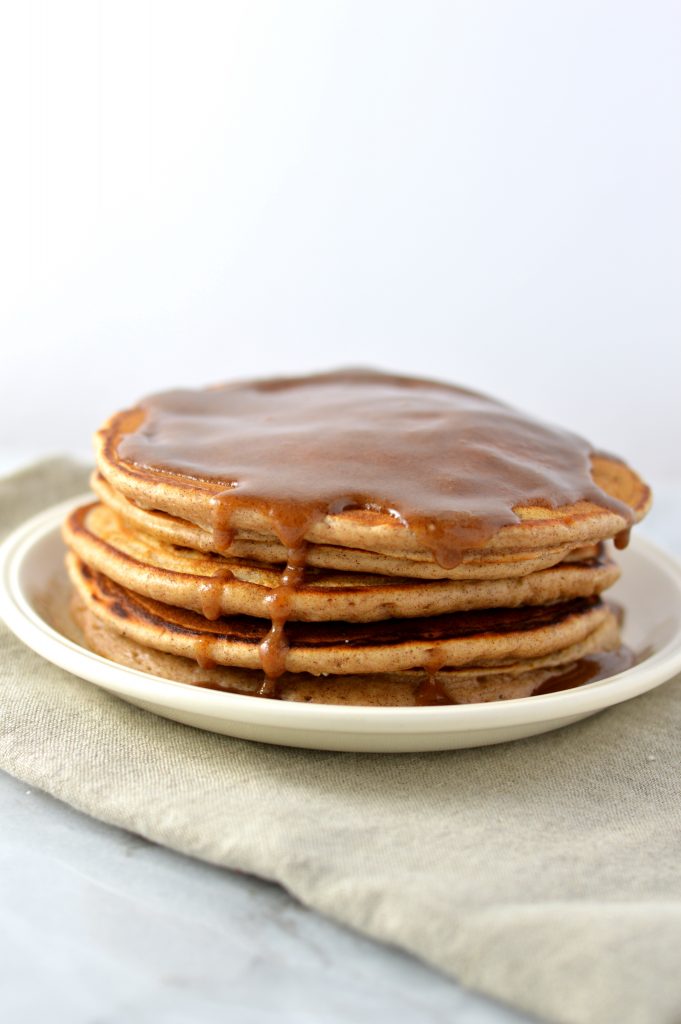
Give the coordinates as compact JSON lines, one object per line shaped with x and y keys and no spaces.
{"x":33,"y":630}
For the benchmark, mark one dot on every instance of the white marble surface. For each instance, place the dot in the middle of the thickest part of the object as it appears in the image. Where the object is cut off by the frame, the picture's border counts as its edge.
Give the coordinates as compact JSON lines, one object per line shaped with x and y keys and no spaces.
{"x":98,"y":926}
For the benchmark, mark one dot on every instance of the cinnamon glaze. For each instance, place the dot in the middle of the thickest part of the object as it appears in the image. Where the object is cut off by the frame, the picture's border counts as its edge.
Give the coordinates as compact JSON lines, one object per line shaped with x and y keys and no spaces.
{"x":449,"y":464}
{"x":587,"y":670}
{"x":431,"y":690}
{"x":210,"y":592}
{"x":274,"y":648}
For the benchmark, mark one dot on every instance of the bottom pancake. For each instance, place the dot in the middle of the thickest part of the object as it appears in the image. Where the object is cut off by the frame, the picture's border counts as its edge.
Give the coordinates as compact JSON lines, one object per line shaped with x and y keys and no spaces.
{"x":600,"y":656}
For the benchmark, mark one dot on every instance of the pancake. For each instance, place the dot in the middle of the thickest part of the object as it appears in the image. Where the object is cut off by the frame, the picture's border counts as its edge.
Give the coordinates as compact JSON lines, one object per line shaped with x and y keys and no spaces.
{"x":368,"y":461}
{"x":249,"y":545}
{"x":213,"y":586}
{"x":352,"y":537}
{"x":489,"y":637}
{"x":597,"y":656}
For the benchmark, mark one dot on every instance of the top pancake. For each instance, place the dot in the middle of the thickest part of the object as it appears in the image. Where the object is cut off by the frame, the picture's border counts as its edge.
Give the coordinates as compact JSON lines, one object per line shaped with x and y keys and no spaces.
{"x":368,"y":461}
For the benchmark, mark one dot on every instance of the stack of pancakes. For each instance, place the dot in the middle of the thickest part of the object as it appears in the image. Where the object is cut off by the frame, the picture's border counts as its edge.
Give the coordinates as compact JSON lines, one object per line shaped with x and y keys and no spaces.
{"x":351,"y":537}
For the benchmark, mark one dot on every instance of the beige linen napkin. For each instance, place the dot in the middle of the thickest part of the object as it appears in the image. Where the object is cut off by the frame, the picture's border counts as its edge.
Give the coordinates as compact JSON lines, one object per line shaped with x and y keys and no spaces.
{"x":546,"y":873}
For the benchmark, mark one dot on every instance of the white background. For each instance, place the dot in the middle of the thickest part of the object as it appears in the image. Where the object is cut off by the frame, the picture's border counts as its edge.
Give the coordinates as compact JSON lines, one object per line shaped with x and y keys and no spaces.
{"x":483,"y":191}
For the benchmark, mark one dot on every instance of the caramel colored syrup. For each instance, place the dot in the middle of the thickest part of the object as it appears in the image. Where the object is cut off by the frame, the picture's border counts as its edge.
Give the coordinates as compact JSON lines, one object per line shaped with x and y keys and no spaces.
{"x":622,"y":538}
{"x":449,"y":465}
{"x":204,"y":655}
{"x":431,"y":691}
{"x":223,"y":533}
{"x":588,"y":670}
{"x":210,"y":590}
{"x":274,"y":647}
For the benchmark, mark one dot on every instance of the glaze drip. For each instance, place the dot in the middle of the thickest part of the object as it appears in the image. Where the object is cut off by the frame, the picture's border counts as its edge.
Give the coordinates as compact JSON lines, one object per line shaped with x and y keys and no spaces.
{"x":210,"y":590}
{"x":431,"y":691}
{"x":587,"y":670}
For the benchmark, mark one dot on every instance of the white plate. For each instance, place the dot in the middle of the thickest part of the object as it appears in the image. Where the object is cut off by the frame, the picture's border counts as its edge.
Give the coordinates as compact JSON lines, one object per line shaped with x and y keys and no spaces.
{"x":650,"y":591}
